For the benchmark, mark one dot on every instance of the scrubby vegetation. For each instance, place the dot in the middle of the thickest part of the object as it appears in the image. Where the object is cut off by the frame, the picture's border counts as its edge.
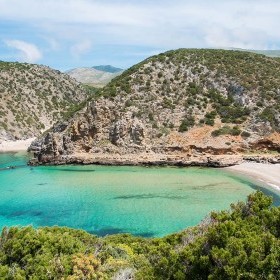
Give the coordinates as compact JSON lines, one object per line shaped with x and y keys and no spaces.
{"x":234,"y":131}
{"x":243,"y":243}
{"x":34,"y":97}
{"x":173,"y":91}
{"x":206,"y":85}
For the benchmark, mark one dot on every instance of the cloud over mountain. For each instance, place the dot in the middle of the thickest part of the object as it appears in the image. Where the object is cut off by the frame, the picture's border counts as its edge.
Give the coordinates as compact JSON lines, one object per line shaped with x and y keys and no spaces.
{"x":26,"y":52}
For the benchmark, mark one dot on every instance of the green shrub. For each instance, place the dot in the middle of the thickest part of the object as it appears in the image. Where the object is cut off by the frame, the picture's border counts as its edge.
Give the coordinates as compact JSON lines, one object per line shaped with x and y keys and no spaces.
{"x":245,"y":134}
{"x":235,"y":131}
{"x":209,"y":122}
{"x":186,"y":123}
{"x":167,"y":103}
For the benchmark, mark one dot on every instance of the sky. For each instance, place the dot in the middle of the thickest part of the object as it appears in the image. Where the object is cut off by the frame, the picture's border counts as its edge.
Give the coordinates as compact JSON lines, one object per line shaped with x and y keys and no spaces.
{"x":65,"y":34}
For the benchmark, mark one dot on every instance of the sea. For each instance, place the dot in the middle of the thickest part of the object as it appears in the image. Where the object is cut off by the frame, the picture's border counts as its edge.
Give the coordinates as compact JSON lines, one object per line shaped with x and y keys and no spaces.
{"x":103,"y":200}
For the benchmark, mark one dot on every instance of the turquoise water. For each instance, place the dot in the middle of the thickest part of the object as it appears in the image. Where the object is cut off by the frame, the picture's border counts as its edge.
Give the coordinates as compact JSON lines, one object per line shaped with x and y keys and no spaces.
{"x":106,"y":199}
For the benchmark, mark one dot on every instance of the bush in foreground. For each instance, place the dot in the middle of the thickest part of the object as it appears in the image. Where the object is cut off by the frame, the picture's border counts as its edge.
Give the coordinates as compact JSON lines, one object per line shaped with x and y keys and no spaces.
{"x":242,"y":243}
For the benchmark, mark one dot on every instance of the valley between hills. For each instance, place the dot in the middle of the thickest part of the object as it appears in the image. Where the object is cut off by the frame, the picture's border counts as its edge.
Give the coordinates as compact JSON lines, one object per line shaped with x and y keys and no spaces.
{"x":182,"y":107}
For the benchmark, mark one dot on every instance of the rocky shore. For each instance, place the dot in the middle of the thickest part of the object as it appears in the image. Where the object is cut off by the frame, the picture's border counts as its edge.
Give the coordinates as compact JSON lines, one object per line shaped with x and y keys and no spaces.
{"x":155,"y":159}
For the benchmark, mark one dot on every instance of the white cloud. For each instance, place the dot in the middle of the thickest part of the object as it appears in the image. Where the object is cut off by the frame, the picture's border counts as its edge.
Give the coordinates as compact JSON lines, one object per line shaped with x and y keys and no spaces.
{"x":71,"y":11}
{"x":236,"y":38}
{"x":27,"y":52}
{"x":81,"y":48}
{"x":160,"y":24}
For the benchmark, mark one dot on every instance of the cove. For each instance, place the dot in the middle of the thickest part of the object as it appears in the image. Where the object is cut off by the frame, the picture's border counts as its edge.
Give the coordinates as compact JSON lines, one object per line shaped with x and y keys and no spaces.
{"x":145,"y":201}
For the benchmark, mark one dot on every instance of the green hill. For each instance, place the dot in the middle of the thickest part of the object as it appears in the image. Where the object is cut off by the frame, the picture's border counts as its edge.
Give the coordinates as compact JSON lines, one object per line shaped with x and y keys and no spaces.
{"x":229,"y":81}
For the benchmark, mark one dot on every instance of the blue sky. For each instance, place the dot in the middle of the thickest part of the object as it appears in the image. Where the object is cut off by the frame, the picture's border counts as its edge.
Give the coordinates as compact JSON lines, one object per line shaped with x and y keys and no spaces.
{"x":65,"y":34}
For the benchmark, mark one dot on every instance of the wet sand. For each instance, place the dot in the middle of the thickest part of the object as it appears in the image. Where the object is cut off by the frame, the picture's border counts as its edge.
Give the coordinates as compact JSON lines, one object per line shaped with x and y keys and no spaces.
{"x":267,"y":173}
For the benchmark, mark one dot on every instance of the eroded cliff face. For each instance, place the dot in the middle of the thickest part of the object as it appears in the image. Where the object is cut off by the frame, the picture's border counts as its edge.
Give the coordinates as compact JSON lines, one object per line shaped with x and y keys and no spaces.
{"x":99,"y":134}
{"x":178,"y":111}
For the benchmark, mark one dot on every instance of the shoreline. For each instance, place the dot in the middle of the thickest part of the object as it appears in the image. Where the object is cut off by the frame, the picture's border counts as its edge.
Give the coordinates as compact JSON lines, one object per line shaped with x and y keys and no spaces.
{"x":262,"y":168}
{"x":140,"y":159}
{"x":261,"y":172}
{"x":15,"y":146}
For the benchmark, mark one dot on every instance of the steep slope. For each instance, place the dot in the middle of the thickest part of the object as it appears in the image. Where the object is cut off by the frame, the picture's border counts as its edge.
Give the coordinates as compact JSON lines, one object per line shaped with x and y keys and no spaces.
{"x":93,"y":76}
{"x":180,"y":107}
{"x":33,"y":98}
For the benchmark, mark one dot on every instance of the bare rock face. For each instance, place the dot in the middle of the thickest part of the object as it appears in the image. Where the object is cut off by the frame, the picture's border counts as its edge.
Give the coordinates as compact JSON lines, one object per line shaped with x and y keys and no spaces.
{"x":96,"y":130}
{"x":177,"y":108}
{"x":127,"y":131}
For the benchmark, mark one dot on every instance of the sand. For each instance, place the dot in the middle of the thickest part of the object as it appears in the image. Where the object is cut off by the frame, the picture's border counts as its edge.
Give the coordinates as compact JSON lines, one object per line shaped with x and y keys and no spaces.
{"x":15,"y":146}
{"x":267,"y":173}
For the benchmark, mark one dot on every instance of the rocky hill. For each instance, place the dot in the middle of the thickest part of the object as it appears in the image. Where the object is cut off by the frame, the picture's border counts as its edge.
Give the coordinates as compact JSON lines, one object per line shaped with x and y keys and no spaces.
{"x":206,"y":107}
{"x":97,"y":76}
{"x":33,"y":98}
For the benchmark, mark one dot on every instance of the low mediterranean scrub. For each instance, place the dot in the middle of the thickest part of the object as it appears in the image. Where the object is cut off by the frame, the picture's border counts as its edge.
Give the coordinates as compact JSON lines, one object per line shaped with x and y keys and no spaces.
{"x":220,"y":85}
{"x":245,"y":134}
{"x":227,"y":130}
{"x":186,"y":123}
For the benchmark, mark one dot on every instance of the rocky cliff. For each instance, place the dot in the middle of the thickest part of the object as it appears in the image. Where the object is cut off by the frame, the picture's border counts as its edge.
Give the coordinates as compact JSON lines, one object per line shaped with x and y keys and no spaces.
{"x":184,"y":107}
{"x":33,"y":98}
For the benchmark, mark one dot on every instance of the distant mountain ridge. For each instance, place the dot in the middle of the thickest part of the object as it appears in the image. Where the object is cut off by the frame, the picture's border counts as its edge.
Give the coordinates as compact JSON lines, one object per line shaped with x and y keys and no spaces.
{"x":107,"y":68}
{"x":97,"y":76}
{"x":270,"y":53}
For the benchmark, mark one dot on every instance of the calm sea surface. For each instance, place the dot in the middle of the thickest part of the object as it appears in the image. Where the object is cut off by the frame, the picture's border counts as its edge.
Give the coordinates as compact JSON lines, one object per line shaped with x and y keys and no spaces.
{"x":146,"y":201}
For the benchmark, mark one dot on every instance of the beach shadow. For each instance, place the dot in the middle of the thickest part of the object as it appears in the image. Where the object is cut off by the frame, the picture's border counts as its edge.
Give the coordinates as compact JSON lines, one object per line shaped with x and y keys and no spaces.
{"x":70,"y":170}
{"x":111,"y":230}
{"x":152,"y":196}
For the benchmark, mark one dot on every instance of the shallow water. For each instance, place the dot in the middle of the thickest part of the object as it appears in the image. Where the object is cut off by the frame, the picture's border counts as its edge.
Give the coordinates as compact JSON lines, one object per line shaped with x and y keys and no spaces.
{"x":146,"y":201}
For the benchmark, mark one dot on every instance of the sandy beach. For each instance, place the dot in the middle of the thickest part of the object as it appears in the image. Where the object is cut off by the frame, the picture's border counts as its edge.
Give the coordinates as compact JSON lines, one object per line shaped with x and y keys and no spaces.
{"x":15,"y":146}
{"x":267,"y":173}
